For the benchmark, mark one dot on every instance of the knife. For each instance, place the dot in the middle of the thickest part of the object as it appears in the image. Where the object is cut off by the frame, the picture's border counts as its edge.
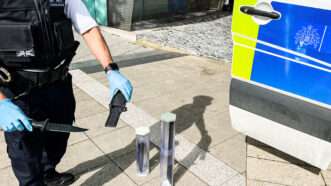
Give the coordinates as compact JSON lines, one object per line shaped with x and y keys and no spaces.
{"x":116,"y":107}
{"x":56,"y":127}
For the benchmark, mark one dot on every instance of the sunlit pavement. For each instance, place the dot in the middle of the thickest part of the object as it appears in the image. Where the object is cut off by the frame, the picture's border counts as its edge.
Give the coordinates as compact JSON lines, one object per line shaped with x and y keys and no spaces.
{"x":196,"y":90}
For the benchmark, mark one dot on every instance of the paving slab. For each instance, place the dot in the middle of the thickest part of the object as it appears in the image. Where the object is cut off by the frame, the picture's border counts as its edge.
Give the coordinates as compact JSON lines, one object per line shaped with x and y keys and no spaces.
{"x":7,"y":177}
{"x":260,"y":150}
{"x":81,"y":95}
{"x":108,"y":175}
{"x":117,"y":143}
{"x":91,"y":166}
{"x":232,"y":152}
{"x":208,"y":168}
{"x":78,"y":157}
{"x":4,"y":160}
{"x":195,"y":99}
{"x":127,"y":162}
{"x":96,"y":124}
{"x":327,"y":177}
{"x":282,"y":173}
{"x":76,"y":138}
{"x":2,"y":137}
{"x":260,"y":183}
{"x":182,"y":177}
{"x":101,"y":77}
{"x":88,"y":108}
{"x":209,"y":131}
{"x":238,"y":180}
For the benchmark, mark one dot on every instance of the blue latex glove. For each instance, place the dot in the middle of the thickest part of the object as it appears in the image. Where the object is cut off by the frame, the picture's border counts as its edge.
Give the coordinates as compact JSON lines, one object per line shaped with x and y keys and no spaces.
{"x":12,"y":117}
{"x":118,"y":82}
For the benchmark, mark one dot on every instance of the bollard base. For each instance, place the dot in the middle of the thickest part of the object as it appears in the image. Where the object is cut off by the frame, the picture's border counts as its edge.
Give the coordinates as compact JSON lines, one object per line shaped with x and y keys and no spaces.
{"x":166,"y":183}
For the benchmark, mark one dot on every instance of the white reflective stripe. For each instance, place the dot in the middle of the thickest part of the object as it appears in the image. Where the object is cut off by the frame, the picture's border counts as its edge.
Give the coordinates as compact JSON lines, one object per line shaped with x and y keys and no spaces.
{"x":325,"y":29}
{"x":283,"y":57}
{"x":321,"y":4}
{"x":283,"y":49}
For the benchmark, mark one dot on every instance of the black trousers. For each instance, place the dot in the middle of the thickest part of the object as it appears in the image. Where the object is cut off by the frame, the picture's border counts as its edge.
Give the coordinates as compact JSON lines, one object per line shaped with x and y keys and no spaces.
{"x":33,"y":153}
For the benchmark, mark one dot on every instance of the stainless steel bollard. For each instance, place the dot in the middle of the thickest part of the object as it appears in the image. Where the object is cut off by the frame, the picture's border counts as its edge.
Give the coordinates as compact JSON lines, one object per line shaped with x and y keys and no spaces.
{"x":142,"y":150}
{"x":167,"y":148}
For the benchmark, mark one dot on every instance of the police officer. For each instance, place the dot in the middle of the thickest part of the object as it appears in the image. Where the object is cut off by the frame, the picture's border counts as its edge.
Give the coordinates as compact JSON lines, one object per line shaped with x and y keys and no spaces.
{"x":35,"y":83}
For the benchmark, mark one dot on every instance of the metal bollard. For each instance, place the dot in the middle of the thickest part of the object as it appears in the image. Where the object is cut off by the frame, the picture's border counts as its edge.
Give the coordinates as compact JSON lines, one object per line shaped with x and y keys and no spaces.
{"x":167,"y":148}
{"x":142,"y":150}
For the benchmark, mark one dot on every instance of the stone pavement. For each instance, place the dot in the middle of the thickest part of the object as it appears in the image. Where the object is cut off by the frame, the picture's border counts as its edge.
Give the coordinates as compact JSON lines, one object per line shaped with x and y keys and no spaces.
{"x":268,"y":166}
{"x":193,"y":88}
{"x":209,"y":151}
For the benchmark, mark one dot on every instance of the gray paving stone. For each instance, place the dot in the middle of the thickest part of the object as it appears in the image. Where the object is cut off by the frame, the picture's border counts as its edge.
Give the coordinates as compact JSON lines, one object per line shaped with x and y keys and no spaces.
{"x":327,"y":177}
{"x":117,"y":143}
{"x":259,"y":183}
{"x":238,"y":180}
{"x":208,"y":130}
{"x":96,"y":124}
{"x":76,"y":138}
{"x":282,"y":173}
{"x":158,"y":105}
{"x":101,"y":77}
{"x":88,"y":108}
{"x":209,"y":169}
{"x":233,"y":152}
{"x":182,"y":177}
{"x":2,"y":137}
{"x":81,"y":158}
{"x":259,"y":150}
{"x":128,"y":162}
{"x":108,"y":174}
{"x":7,"y":177}
{"x":81,"y":95}
{"x":4,"y":160}
{"x":165,"y":87}
{"x":193,"y":99}
{"x":91,"y":166}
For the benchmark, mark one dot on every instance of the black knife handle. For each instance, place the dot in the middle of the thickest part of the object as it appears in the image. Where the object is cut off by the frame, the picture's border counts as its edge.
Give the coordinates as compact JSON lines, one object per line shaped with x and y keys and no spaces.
{"x":257,"y":12}
{"x":116,"y":107}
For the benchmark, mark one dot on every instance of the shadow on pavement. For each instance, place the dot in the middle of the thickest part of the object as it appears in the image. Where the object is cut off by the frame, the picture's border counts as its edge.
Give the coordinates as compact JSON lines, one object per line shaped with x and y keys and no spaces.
{"x":187,"y":116}
{"x":92,"y":66}
{"x":282,"y":155}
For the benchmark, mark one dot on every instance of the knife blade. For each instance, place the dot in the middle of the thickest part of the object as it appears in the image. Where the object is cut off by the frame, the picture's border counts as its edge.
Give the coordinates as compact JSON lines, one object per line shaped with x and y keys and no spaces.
{"x":56,"y":127}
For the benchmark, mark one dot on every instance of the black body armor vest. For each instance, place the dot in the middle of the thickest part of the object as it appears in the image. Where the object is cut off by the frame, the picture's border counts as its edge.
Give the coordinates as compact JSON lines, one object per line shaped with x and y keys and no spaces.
{"x":34,"y":34}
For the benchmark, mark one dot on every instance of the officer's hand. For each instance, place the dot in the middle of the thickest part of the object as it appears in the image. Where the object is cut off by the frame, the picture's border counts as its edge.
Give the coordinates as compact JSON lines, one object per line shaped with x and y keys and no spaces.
{"x":118,"y":82}
{"x":12,"y":117}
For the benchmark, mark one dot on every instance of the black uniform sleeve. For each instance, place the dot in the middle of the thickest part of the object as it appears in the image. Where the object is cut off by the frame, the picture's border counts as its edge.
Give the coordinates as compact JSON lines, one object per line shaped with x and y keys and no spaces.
{"x":7,"y":92}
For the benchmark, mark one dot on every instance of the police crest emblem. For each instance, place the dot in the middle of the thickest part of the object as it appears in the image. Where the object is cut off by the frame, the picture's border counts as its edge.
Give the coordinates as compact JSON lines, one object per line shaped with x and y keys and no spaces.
{"x":307,"y":36}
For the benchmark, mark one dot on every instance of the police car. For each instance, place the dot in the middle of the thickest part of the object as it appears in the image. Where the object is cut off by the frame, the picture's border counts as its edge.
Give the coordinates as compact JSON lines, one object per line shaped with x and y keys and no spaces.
{"x":281,"y":76}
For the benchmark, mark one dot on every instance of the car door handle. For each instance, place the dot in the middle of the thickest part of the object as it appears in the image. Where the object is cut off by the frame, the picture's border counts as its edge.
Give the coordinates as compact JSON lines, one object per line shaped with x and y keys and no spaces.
{"x":257,"y":12}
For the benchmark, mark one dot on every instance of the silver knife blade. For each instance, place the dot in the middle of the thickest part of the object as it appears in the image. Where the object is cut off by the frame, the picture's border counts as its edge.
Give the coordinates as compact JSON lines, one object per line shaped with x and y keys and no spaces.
{"x":57,"y":127}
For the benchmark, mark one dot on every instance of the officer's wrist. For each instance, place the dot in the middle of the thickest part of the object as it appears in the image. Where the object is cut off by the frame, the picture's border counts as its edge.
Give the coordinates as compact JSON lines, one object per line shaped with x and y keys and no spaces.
{"x":2,"y":96}
{"x":111,"y":67}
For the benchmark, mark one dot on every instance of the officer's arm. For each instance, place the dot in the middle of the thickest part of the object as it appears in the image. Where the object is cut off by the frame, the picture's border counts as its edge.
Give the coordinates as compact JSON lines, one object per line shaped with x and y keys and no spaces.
{"x":2,"y":96}
{"x":88,"y":28}
{"x":98,"y":46}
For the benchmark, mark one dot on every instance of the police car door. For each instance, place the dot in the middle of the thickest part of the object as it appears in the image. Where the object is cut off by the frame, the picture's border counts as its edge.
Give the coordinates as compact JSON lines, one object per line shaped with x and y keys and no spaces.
{"x":281,"y":75}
